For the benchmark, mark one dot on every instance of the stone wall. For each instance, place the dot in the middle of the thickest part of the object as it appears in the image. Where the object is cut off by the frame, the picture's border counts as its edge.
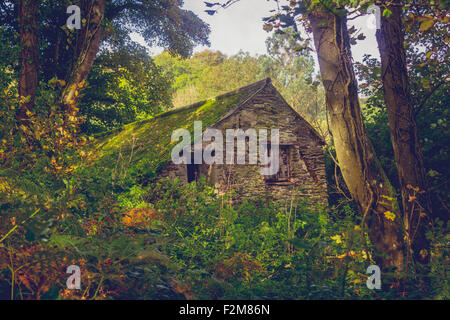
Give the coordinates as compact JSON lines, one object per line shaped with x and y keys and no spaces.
{"x":302,"y":151}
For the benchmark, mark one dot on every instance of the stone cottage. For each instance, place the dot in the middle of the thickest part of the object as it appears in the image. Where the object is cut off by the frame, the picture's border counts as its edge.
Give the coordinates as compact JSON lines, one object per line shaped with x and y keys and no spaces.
{"x":301,"y":159}
{"x":143,"y":149}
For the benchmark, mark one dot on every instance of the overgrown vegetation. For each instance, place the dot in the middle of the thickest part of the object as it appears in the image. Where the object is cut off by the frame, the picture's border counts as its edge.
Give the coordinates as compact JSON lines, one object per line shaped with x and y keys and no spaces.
{"x":168,"y":241}
{"x":76,"y":179}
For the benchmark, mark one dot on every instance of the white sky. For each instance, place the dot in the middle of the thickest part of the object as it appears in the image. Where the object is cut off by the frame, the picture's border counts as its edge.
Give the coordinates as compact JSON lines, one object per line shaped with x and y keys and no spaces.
{"x":239,"y":27}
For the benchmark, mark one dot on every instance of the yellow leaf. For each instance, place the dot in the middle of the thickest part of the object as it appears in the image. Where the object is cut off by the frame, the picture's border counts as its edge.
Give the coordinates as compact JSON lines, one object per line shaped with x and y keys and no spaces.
{"x":389,"y":215}
{"x":423,"y":253}
{"x":337,"y":238}
{"x":426,"y":25}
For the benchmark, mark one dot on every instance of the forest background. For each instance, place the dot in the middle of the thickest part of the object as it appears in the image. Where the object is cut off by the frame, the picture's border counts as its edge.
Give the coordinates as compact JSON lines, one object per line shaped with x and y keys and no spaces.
{"x":61,"y":89}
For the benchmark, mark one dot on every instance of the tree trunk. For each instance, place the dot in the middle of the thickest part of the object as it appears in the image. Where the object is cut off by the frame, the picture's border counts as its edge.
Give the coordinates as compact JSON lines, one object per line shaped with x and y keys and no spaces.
{"x":360,"y":168}
{"x":88,"y":44}
{"x":29,"y":57}
{"x":403,"y":130}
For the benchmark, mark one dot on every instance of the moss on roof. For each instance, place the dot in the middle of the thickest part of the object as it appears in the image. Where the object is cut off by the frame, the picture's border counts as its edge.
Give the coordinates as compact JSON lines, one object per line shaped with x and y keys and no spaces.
{"x":143,"y":147}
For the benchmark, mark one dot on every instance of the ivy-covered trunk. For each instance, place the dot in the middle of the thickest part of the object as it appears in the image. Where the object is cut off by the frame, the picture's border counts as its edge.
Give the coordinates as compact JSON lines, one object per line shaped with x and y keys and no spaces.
{"x":403,"y":130}
{"x":364,"y":176}
{"x":87,"y":46}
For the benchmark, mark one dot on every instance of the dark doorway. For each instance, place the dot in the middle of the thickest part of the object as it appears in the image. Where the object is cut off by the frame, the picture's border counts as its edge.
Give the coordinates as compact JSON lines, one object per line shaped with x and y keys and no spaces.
{"x":192,"y":170}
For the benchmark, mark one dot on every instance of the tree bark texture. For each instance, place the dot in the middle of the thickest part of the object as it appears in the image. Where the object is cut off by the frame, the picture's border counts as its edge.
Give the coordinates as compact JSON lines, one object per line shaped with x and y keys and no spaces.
{"x":360,"y":168}
{"x":29,"y":57}
{"x":88,"y":44}
{"x":403,"y":131}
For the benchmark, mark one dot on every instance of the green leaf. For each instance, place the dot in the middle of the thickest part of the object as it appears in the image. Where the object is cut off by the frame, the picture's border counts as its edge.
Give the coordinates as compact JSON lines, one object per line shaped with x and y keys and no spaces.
{"x":425,"y":83}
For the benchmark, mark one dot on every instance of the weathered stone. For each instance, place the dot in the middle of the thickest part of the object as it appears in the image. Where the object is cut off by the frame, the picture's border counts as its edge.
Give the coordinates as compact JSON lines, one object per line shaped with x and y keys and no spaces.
{"x":301,"y":151}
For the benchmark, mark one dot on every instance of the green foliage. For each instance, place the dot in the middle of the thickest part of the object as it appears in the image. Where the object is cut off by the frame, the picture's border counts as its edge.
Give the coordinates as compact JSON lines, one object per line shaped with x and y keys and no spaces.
{"x":260,"y":249}
{"x":428,"y":80}
{"x":123,"y":87}
{"x":138,"y":150}
{"x":99,"y":208}
{"x":163,"y":23}
{"x":288,"y":64}
{"x":291,"y":68}
{"x":207,"y":74}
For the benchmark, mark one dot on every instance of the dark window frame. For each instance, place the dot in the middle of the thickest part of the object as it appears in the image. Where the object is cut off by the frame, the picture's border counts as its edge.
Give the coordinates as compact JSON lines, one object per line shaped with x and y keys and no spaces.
{"x":284,"y":173}
{"x":192,"y":170}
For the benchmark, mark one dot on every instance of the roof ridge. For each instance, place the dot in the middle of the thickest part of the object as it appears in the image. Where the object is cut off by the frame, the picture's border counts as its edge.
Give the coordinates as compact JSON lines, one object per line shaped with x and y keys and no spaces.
{"x":222,"y":95}
{"x":175,"y":110}
{"x":244,"y":88}
{"x":246,"y":99}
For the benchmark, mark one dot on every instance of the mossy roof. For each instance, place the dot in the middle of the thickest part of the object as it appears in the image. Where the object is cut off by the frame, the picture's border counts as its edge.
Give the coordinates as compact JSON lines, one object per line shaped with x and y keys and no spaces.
{"x":145,"y":146}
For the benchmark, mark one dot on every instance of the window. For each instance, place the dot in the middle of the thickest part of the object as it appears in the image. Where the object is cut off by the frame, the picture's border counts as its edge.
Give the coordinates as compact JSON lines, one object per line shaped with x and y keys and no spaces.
{"x":285,"y":164}
{"x":284,"y":171}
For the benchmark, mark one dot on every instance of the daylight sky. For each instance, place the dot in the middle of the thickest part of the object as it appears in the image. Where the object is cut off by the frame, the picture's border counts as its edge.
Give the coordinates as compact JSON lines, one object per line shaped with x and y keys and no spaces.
{"x":239,"y":27}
